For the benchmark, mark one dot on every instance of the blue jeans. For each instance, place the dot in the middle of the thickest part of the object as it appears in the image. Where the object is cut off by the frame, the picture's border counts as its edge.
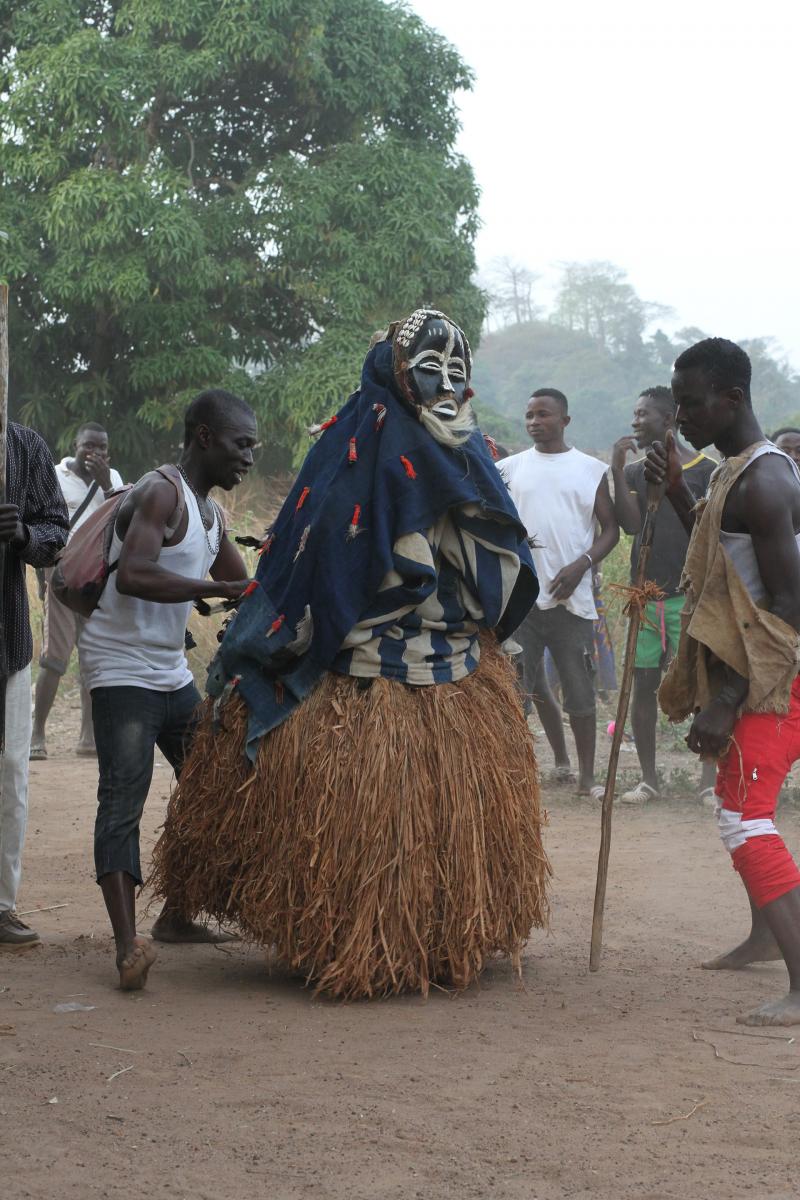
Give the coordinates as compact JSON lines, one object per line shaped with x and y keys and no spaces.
{"x":129,"y":722}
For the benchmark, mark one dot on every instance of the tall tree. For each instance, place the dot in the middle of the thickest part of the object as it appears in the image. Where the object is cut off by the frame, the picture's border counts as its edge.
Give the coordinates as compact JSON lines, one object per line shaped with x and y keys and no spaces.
{"x":510,"y":292}
{"x":602,"y":386}
{"x":221,"y":193}
{"x":595,"y":298}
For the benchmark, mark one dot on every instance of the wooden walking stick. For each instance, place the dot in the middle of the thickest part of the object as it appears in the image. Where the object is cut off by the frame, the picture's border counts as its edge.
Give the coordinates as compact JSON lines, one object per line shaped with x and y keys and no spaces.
{"x":654,"y":495}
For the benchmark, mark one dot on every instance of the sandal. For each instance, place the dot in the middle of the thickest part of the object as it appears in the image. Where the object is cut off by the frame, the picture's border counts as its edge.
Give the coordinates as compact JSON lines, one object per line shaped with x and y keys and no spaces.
{"x":640,"y":794}
{"x":596,"y":793}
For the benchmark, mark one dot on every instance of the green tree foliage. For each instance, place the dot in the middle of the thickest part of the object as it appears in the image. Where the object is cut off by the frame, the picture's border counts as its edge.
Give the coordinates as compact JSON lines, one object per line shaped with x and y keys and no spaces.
{"x":219,"y":193}
{"x":596,"y":349}
{"x":514,"y":361}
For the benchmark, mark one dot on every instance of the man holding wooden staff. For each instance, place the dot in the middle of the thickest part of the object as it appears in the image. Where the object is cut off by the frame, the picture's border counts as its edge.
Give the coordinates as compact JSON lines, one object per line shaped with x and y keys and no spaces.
{"x":34,"y":527}
{"x":736,"y":669}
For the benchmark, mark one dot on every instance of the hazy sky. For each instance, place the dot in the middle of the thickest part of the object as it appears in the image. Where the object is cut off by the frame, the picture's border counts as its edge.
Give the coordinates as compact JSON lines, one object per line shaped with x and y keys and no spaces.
{"x":662,"y":137}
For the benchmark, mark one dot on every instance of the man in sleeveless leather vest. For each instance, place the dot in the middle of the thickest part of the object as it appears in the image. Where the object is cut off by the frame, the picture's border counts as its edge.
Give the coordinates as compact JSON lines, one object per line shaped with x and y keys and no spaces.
{"x":736,"y":668}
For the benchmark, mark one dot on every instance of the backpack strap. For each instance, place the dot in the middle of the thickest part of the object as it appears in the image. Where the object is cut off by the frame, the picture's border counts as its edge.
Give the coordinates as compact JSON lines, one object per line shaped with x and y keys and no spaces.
{"x":171,"y":472}
{"x":84,"y":504}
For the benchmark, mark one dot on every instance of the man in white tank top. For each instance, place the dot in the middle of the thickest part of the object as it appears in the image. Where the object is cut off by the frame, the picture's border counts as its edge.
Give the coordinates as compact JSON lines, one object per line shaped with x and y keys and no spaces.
{"x":132,"y":651}
{"x":753,"y":512}
{"x":562,"y":496}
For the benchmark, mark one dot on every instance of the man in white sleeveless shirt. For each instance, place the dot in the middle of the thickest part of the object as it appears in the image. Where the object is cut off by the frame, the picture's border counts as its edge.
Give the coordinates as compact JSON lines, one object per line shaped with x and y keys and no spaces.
{"x":562,"y":496}
{"x":132,"y":651}
{"x":736,"y":668}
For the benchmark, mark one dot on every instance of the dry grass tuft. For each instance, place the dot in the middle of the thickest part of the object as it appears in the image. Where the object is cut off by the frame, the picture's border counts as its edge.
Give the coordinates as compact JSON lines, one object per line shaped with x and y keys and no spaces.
{"x":388,"y":838}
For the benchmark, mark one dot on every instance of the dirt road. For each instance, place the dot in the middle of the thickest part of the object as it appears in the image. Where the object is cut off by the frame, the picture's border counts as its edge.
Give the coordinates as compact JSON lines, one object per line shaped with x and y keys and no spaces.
{"x":224,"y":1081}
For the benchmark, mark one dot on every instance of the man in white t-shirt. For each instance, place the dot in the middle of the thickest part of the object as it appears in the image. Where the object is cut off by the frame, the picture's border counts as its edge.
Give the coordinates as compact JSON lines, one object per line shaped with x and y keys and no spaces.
{"x":563,"y":497}
{"x":85,"y":478}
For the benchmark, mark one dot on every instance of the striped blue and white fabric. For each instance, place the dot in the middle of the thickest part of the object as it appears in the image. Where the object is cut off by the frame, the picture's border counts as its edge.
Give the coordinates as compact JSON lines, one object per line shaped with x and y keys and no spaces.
{"x":461,"y":572}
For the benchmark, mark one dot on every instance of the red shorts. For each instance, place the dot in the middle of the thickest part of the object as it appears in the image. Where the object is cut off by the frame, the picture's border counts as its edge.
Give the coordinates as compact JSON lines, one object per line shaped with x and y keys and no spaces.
{"x":765,"y":746}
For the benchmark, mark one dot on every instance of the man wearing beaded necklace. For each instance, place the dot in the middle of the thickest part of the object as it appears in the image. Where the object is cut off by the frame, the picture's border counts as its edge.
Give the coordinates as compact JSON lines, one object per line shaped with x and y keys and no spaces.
{"x":132,"y":651}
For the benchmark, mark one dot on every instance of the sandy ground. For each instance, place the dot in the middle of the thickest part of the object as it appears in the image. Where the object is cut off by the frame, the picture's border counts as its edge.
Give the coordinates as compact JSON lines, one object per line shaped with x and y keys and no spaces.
{"x":224,"y":1080}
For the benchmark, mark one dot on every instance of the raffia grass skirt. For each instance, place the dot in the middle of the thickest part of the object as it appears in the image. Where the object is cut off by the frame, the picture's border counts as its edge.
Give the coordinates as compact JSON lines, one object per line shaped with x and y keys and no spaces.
{"x":389,"y":837}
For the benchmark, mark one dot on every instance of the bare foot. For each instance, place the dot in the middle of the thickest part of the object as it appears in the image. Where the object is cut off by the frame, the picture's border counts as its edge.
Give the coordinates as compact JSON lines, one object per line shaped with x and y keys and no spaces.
{"x":777,"y":1012}
{"x":134,"y":967}
{"x":752,"y":950}
{"x":174,"y":931}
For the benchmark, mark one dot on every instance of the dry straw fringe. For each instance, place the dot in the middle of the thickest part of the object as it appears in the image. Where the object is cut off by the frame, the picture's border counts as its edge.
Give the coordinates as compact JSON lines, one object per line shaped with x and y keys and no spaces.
{"x":637,"y":598}
{"x":389,"y":838}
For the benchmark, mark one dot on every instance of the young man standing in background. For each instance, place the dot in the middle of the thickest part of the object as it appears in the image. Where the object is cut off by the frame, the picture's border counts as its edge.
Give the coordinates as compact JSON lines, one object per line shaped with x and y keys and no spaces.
{"x":563,"y":497}
{"x":85,"y":480}
{"x":653,"y":416}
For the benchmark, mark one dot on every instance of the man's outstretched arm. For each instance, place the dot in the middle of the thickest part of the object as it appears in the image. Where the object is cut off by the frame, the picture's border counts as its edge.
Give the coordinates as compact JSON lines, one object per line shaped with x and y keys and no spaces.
{"x":229,"y":563}
{"x":139,"y":572}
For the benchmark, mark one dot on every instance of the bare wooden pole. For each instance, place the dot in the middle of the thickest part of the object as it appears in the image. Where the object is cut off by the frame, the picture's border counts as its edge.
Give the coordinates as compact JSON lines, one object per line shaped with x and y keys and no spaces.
{"x":3,"y":439}
{"x":654,"y":495}
{"x":3,"y":387}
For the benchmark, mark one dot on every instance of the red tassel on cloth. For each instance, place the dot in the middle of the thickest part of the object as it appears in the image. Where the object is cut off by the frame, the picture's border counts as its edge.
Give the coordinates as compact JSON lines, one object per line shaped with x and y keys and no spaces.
{"x":306,"y":492}
{"x":275,"y":626}
{"x":266,"y":545}
{"x":248,"y":591}
{"x":408,"y":467}
{"x":353,"y":529}
{"x":313,"y":430}
{"x":352,"y":453}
